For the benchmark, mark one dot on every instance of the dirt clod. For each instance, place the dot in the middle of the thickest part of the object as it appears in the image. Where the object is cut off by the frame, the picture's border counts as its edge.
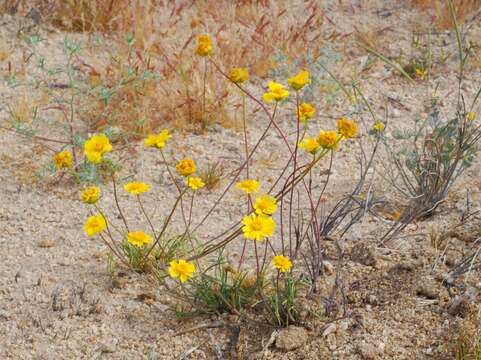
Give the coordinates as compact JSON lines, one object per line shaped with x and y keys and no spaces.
{"x":367,"y":351}
{"x":46,"y":243}
{"x":291,"y":338}
{"x":428,"y":289}
{"x":364,"y":254}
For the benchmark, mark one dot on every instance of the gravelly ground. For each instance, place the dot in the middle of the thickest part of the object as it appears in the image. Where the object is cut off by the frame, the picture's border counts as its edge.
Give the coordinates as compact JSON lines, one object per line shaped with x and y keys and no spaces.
{"x":59,"y":302}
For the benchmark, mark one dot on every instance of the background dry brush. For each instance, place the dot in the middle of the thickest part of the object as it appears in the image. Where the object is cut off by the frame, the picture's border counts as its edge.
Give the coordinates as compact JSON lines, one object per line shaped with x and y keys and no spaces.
{"x":150,"y":78}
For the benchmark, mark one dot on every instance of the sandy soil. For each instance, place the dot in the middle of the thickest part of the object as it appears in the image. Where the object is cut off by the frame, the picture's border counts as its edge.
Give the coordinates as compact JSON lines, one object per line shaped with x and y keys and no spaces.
{"x":58,"y":300}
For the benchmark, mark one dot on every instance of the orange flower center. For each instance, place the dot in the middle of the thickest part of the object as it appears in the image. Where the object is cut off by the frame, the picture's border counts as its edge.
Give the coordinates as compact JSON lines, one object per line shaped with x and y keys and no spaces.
{"x":256,"y":226}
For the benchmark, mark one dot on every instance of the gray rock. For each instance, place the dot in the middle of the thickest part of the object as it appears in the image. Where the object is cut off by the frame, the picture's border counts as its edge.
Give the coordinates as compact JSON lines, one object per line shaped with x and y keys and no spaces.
{"x":330,"y":329}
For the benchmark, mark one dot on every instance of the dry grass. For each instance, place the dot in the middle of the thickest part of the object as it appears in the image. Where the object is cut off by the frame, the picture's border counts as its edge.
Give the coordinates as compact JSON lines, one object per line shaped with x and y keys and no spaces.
{"x":439,"y":10}
{"x":245,"y":34}
{"x":466,"y":339}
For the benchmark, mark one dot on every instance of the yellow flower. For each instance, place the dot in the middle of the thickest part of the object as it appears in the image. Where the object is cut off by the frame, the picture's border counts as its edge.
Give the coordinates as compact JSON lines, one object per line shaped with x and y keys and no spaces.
{"x":95,"y":224}
{"x":181,"y":270}
{"x":96,"y":146}
{"x":300,"y":80}
{"x":136,"y":187}
{"x":328,"y":139}
{"x":204,"y":45}
{"x":95,"y":80}
{"x":306,"y":112}
{"x":248,"y":186}
{"x":239,"y":75}
{"x":91,"y":195}
{"x":63,"y":159}
{"x":470,"y":116}
{"x":276,"y":92}
{"x":195,"y":183}
{"x":157,"y":140}
{"x":186,"y":167}
{"x":421,"y":73}
{"x":265,"y":205}
{"x":258,"y":227}
{"x":379,"y":126}
{"x":310,"y":145}
{"x":138,"y":238}
{"x":282,"y":263}
{"x":347,"y":128}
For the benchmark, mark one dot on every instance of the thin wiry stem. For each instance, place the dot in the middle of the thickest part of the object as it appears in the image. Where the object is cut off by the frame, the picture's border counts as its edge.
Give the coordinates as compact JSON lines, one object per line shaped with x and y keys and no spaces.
{"x":146,"y":216}
{"x":117,"y":203}
{"x":166,"y":223}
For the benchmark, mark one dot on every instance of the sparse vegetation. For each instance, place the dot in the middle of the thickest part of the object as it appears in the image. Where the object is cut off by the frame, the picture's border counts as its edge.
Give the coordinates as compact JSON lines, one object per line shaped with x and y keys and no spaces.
{"x":265,"y":170}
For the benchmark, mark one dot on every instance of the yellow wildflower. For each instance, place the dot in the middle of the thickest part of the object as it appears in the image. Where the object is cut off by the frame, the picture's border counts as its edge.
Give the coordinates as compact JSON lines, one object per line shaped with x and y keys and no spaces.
{"x":306,"y":112}
{"x":195,"y":183}
{"x":181,"y":270}
{"x":204,"y":45}
{"x":265,"y":205}
{"x":63,"y":159}
{"x":157,"y":140}
{"x":470,"y":116}
{"x":138,"y":238}
{"x":310,"y":145}
{"x":96,"y":146}
{"x":328,"y":139}
{"x":258,"y":227}
{"x":186,"y":167}
{"x":95,"y":80}
{"x":300,"y":80}
{"x":347,"y":128}
{"x":281,"y":263}
{"x":379,"y":126}
{"x":239,"y":75}
{"x":395,"y":215}
{"x":276,"y":92}
{"x":95,"y":224}
{"x":136,"y":187}
{"x":248,"y":186}
{"x":91,"y":195}
{"x":421,"y":73}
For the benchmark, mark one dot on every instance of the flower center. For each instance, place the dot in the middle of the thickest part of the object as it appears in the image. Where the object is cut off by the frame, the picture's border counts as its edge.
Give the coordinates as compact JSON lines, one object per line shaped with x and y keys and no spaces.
{"x":256,"y":226}
{"x":182,"y":269}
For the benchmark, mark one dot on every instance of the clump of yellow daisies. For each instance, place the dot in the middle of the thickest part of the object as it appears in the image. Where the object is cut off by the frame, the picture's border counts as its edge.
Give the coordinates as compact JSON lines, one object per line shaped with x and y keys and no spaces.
{"x":97,"y":224}
{"x":94,"y":149}
{"x":259,"y":225}
{"x":326,"y":139}
{"x":330,"y":139}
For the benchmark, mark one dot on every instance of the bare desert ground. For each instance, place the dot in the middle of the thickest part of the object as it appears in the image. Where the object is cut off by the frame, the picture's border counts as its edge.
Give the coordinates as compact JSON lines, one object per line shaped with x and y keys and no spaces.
{"x":397,"y":300}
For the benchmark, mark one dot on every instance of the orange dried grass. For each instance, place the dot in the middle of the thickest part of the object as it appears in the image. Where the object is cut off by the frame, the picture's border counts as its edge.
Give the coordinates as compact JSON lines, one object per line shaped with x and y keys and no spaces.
{"x":246,"y":33}
{"x":440,"y":11}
